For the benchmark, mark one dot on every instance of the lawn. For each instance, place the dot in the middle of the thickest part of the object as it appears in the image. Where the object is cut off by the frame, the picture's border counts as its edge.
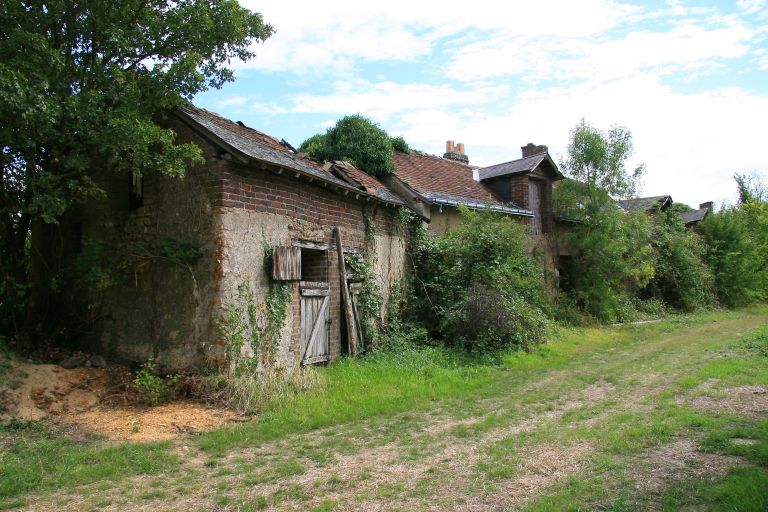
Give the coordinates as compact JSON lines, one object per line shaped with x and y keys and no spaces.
{"x":667,"y":416}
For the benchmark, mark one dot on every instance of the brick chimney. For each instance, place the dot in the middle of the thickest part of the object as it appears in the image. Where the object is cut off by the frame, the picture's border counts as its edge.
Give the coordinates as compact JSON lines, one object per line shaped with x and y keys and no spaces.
{"x":707,"y":205}
{"x":531,"y":149}
{"x":455,"y":152}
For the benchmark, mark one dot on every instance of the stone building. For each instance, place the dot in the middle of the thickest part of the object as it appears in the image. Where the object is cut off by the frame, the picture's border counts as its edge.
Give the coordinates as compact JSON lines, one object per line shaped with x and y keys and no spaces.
{"x":200,"y":245}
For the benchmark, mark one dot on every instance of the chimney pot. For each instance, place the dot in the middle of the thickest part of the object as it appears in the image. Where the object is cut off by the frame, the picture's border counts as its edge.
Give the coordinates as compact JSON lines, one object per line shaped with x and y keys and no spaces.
{"x":455,"y":152}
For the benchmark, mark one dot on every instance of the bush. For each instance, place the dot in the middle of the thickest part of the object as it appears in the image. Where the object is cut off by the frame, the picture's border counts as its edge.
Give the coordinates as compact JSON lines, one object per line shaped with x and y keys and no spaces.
{"x":613,"y":261}
{"x":154,"y":389}
{"x":681,"y":277}
{"x":357,"y":140}
{"x":737,"y":251}
{"x":478,"y":287}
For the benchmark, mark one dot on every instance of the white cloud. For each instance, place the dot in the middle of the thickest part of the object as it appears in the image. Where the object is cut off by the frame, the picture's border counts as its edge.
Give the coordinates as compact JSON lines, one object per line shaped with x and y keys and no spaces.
{"x":556,"y":58}
{"x":330,"y":36}
{"x":691,"y":143}
{"x":752,"y":6}
{"x":381,"y":100}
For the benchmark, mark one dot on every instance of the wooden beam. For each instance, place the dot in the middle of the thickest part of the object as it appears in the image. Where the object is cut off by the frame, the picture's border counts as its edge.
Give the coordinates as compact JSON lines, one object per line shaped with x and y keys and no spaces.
{"x":346,"y":303}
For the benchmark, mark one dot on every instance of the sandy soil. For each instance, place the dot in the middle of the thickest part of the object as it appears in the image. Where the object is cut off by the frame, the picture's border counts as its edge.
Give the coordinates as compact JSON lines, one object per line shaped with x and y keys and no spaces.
{"x":78,"y":398}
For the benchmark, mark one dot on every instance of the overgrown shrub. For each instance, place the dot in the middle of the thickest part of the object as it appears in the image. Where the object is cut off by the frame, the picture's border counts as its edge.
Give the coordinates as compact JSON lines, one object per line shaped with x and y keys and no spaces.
{"x":681,"y":278}
{"x":478,"y":287}
{"x":357,"y":140}
{"x":736,"y":240}
{"x":612,"y":261}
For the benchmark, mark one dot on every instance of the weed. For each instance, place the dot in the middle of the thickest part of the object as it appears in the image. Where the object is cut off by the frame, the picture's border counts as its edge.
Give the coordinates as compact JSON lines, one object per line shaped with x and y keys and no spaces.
{"x":154,"y":389}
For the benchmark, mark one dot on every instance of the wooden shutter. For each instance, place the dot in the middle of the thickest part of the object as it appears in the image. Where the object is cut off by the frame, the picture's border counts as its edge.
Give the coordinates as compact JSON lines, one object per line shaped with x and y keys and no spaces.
{"x":286,"y":263}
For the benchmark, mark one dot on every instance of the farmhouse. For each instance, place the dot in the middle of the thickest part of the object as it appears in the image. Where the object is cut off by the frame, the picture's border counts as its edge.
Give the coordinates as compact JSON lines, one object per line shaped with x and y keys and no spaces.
{"x":198,"y":293}
{"x":520,"y":188}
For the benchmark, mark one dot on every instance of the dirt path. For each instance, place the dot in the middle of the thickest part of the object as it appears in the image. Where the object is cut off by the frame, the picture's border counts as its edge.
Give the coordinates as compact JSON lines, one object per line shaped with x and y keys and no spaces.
{"x":518,"y":446}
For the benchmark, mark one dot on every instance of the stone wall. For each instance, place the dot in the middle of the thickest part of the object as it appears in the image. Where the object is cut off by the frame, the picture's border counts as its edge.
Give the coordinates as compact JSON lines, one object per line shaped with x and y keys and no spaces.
{"x":155,"y":307}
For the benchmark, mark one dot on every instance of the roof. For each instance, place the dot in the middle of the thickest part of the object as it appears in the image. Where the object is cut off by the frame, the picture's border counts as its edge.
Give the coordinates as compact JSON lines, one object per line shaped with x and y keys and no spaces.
{"x":248,"y":143}
{"x":521,"y":165}
{"x":694,"y":216}
{"x":645,"y":203}
{"x":365,"y":181}
{"x":448,"y":182}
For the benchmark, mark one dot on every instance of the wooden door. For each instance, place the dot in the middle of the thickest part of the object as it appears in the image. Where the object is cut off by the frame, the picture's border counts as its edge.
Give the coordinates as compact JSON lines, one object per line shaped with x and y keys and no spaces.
{"x":315,"y":317}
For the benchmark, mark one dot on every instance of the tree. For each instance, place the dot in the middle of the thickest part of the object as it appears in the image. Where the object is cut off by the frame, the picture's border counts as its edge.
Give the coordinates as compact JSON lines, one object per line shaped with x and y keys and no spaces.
{"x":356,"y":139}
{"x":82,"y":87}
{"x":613,"y":258}
{"x":736,"y":240}
{"x":598,"y":160}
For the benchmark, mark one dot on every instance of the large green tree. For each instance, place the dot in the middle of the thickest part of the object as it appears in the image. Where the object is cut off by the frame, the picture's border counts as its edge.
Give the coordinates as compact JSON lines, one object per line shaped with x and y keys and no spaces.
{"x":613,"y":257}
{"x":82,"y":86}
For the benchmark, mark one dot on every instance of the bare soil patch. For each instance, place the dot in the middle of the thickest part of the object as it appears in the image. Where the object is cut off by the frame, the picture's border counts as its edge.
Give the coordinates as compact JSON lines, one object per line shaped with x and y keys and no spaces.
{"x":749,"y":401}
{"x":677,"y":461}
{"x":85,"y":398}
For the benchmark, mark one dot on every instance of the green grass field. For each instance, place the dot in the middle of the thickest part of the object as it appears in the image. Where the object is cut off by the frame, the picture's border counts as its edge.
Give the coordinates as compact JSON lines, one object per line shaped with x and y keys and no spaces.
{"x":665,"y":416}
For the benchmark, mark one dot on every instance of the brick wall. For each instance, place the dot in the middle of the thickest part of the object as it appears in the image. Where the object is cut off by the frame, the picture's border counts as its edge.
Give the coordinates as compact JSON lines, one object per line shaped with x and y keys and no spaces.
{"x":519,"y":188}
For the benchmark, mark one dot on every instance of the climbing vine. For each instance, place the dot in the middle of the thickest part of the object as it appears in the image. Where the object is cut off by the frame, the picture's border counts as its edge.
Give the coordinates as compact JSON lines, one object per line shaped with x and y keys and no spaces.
{"x":369,"y":300}
{"x":257,"y":326}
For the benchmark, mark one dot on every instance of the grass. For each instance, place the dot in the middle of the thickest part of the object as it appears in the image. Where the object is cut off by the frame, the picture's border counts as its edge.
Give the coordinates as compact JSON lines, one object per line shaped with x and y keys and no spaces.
{"x":354,"y":389}
{"x":389,"y":402}
{"x":37,"y":458}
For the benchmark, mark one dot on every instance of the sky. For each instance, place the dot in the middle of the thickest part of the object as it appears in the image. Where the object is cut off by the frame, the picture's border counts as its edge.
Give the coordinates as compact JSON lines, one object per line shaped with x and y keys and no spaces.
{"x":688,"y":79}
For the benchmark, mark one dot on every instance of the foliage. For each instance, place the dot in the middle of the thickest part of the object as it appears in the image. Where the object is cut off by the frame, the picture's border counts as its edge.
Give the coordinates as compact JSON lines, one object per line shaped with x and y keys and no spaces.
{"x":751,"y":189}
{"x":681,"y":277}
{"x":612,"y":261}
{"x":357,"y":140}
{"x":612,"y":257}
{"x":399,"y":144}
{"x":598,"y":159}
{"x":369,"y":299}
{"x":478,"y":287}
{"x":82,"y":88}
{"x":736,"y":240}
{"x":153,"y":388}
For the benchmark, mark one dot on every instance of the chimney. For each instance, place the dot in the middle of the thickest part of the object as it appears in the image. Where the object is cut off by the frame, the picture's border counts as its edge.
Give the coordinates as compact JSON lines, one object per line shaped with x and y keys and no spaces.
{"x":531,"y":149}
{"x":707,"y":205}
{"x":455,"y":152}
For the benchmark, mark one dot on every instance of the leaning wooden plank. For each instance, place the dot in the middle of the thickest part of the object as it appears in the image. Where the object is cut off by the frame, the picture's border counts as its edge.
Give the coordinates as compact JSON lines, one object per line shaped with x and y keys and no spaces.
{"x":345,"y":302}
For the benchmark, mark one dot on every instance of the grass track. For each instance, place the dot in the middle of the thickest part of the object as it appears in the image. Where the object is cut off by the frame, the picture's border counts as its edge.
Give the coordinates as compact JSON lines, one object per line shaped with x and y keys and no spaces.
{"x":574,"y":425}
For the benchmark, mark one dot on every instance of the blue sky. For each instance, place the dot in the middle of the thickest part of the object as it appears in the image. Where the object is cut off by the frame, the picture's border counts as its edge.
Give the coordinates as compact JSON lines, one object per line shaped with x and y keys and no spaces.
{"x":689,"y":79}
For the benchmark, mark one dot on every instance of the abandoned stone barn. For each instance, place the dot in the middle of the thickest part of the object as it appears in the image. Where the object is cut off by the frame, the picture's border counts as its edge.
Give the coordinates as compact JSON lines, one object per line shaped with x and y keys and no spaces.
{"x":253,"y":196}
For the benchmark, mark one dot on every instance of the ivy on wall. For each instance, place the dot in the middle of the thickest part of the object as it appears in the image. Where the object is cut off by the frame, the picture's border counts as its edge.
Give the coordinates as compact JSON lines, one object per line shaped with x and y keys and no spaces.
{"x":257,"y":326}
